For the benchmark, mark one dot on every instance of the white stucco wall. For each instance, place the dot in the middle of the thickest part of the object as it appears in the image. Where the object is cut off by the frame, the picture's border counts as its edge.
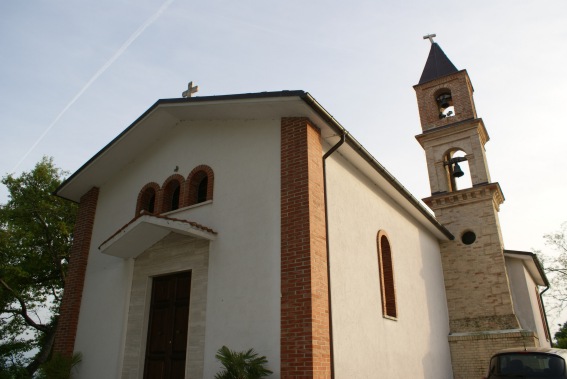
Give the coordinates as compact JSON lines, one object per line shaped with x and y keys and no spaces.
{"x":244,"y":262}
{"x":366,"y":344}
{"x":525,"y":299}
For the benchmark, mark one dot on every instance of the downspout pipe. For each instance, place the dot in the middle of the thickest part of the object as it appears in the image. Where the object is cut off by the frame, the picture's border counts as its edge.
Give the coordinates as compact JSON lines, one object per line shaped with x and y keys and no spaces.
{"x":548,"y":285}
{"x":545,"y":314}
{"x":325,"y":156}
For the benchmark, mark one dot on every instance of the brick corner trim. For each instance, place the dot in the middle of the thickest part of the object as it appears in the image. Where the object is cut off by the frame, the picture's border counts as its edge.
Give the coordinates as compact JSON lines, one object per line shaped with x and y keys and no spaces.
{"x":72,"y":295}
{"x":305,"y":334}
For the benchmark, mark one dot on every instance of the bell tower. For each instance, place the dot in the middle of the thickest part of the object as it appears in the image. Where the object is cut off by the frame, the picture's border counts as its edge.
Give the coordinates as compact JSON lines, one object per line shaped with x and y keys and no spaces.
{"x":466,"y":201}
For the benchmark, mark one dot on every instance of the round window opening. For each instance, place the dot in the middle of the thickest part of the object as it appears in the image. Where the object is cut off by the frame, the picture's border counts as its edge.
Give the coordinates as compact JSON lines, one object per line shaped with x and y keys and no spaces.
{"x":468,"y":238}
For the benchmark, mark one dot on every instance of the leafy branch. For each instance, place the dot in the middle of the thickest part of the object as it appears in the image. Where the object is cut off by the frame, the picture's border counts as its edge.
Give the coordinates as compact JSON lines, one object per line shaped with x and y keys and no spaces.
{"x":23,"y":311}
{"x":35,"y":240}
{"x":555,"y":266}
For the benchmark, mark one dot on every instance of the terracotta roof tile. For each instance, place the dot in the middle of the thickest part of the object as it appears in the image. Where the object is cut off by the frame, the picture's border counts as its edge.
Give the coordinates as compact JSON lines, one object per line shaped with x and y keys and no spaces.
{"x":146,"y":213}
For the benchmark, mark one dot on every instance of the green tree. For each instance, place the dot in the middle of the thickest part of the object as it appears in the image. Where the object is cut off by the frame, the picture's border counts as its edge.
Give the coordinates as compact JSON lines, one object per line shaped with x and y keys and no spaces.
{"x":35,"y":238}
{"x":241,"y":365}
{"x":561,"y":337}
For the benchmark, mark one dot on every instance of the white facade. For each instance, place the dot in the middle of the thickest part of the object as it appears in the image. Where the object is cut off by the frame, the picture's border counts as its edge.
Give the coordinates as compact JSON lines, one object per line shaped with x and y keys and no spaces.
{"x":415,"y":344}
{"x":236,"y":268}
{"x":245,"y":214}
{"x":524,"y":282}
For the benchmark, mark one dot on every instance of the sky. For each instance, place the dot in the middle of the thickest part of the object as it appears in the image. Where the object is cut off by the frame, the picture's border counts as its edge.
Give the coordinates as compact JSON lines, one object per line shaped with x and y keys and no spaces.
{"x":74,"y":74}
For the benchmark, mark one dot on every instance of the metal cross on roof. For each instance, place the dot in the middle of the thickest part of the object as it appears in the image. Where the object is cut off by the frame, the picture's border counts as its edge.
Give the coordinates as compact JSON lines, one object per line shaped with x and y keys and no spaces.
{"x":430,"y":37}
{"x":190,"y":90}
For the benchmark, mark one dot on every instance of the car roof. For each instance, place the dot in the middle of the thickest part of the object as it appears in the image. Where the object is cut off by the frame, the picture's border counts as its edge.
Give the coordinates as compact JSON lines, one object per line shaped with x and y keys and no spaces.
{"x":541,"y":350}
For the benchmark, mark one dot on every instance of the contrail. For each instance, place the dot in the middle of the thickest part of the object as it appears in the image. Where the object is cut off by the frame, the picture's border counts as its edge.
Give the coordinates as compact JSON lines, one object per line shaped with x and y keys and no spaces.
{"x":104,"y":67}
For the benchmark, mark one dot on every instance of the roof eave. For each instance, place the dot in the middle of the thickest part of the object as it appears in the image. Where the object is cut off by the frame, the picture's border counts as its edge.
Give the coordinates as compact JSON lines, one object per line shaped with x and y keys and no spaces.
{"x":422,"y":211}
{"x":532,"y":261}
{"x":61,"y":191}
{"x":397,"y":191}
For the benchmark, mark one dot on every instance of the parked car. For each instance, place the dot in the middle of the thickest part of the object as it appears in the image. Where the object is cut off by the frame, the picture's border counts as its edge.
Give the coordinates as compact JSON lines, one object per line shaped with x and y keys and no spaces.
{"x":528,"y":363}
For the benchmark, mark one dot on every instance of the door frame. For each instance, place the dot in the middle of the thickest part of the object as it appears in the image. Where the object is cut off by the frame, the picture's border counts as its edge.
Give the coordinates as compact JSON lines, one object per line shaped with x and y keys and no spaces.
{"x":175,"y":253}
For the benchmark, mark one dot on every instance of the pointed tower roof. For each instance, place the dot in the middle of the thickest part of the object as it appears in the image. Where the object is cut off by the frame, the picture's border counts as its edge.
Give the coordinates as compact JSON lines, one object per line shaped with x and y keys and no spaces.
{"x":437,"y":65}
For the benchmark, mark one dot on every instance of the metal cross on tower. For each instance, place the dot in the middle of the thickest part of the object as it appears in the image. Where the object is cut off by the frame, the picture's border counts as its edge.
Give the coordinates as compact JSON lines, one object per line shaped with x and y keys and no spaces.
{"x":430,"y":37}
{"x":190,"y":90}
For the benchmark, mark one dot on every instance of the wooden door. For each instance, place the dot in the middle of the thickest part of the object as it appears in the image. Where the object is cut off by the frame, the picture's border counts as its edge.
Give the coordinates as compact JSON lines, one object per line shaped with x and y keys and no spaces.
{"x":166,"y":346}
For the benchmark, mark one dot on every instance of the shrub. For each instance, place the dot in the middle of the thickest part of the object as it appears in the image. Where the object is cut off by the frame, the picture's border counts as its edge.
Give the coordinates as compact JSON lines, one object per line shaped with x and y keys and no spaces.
{"x":59,"y":366}
{"x":241,"y":365}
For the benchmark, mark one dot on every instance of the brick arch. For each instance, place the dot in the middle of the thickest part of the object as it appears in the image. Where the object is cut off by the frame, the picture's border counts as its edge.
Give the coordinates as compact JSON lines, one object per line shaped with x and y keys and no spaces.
{"x":144,"y":198}
{"x":195,"y":180}
{"x":168,"y":189}
{"x":387,"y":284}
{"x":441,"y":90}
{"x":452,"y":150}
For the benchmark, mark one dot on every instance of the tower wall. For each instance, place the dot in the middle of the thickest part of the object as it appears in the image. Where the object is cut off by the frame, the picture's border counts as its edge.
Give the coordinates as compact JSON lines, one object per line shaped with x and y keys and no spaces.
{"x":470,"y":136}
{"x":481,"y":311}
{"x":471,"y":352}
{"x":461,"y":90}
{"x":476,"y":282}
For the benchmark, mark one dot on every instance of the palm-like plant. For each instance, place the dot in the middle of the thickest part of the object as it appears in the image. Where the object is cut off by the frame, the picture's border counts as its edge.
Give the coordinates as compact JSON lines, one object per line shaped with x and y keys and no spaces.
{"x":241,"y":365}
{"x":59,"y":367}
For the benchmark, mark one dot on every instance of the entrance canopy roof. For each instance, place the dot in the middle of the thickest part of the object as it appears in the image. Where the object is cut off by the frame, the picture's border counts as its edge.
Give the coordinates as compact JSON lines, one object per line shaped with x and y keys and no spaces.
{"x":145,"y":230}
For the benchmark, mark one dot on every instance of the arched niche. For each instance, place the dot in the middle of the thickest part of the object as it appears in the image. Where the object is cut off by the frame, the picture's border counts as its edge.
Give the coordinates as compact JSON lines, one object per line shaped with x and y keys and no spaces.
{"x":148,"y":198}
{"x":200,"y":185}
{"x":172,"y":193}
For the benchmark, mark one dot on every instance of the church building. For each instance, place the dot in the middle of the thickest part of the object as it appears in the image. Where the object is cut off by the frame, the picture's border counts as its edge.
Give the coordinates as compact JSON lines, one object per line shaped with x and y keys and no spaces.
{"x":258,"y":221}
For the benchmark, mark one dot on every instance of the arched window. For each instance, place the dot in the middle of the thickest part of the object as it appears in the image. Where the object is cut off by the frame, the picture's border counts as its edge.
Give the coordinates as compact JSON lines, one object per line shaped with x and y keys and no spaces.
{"x":388,"y":290}
{"x":200,"y":185}
{"x":202,"y":189}
{"x":444,"y":101}
{"x":172,"y":194}
{"x":147,"y":198}
{"x":457,"y":170}
{"x":175,"y":197}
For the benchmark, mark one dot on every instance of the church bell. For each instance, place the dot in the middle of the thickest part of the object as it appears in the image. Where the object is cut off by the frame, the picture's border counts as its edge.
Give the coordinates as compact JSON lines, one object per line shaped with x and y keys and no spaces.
{"x":444,"y":101}
{"x":457,"y":172}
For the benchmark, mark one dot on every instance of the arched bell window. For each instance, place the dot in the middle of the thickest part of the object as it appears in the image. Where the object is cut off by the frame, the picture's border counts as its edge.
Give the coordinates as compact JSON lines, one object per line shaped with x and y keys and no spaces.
{"x":445,"y":106}
{"x":457,"y":170}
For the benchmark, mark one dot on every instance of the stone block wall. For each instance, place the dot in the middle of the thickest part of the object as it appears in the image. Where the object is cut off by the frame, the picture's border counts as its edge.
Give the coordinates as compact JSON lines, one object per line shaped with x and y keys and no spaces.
{"x":471,"y":352}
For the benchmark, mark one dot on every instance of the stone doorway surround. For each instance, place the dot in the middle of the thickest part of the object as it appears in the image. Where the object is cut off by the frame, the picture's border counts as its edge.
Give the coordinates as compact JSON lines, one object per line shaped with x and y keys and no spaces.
{"x":174,"y":253}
